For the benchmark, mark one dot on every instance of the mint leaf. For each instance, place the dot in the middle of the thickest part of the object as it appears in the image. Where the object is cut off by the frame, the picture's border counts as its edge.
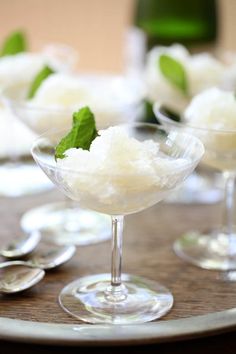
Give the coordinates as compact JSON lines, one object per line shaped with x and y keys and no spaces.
{"x":170,"y":114}
{"x":82,"y":134}
{"x":148,"y":115}
{"x":15,"y":43}
{"x":174,"y":72}
{"x":39,"y":78}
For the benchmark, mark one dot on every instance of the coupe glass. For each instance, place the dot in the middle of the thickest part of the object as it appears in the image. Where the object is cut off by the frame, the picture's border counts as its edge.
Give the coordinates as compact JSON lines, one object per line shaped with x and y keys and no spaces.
{"x":15,"y":161}
{"x":119,"y":298}
{"x":19,"y":175}
{"x":63,"y":222}
{"x":215,"y":249}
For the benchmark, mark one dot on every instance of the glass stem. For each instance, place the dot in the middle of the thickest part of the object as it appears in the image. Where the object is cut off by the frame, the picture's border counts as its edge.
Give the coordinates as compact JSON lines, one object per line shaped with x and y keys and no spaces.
{"x":228,"y":218}
{"x":116,"y":291}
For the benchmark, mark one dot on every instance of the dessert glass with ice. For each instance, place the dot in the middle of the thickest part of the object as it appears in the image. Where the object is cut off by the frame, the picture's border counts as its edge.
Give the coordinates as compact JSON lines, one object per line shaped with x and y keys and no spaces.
{"x":127,"y":169}
{"x":173,"y":76}
{"x":202,"y":71}
{"x":17,"y":70}
{"x":114,"y":99}
{"x":211,"y":117}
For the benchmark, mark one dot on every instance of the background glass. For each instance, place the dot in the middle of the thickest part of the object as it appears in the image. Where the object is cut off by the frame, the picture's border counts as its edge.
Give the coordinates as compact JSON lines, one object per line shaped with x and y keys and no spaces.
{"x":215,"y":249}
{"x":63,"y":222}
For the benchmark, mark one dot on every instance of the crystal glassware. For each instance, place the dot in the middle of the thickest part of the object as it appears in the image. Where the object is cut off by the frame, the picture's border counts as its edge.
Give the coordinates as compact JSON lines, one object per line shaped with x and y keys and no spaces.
{"x":63,"y":222}
{"x":120,"y":298}
{"x":15,"y":161}
{"x":19,"y":175}
{"x":215,"y":249}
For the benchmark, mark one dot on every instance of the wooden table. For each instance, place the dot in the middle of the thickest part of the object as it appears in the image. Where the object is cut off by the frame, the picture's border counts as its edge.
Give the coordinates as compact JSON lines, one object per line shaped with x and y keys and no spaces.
{"x":147,"y":252}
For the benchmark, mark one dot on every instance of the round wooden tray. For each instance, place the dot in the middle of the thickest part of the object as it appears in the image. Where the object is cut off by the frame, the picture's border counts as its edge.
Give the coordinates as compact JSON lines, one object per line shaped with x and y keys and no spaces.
{"x":204,"y":303}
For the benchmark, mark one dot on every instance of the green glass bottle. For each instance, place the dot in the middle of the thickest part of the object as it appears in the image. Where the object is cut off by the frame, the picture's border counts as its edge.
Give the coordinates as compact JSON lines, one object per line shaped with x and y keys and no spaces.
{"x":189,"y":22}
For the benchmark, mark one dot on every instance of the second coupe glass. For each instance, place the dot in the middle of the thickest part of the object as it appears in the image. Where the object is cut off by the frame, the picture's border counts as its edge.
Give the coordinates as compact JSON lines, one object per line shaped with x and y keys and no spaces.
{"x":61,"y":221}
{"x":215,"y":249}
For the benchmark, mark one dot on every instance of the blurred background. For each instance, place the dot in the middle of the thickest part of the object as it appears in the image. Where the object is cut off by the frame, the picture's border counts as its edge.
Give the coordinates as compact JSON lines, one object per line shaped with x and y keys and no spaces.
{"x":97,"y":28}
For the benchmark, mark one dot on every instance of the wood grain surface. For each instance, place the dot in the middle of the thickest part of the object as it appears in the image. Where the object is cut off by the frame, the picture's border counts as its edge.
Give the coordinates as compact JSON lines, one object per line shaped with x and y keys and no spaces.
{"x":147,"y":252}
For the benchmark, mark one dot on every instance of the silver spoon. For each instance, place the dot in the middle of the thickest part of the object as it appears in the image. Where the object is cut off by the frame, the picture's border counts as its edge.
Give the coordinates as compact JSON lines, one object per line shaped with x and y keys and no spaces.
{"x":48,"y":256}
{"x":18,"y":277}
{"x":21,"y":246}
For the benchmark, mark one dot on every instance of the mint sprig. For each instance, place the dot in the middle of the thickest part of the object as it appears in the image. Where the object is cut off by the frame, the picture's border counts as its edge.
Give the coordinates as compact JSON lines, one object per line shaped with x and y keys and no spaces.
{"x":15,"y":43}
{"x":82,"y":134}
{"x":174,"y":72}
{"x":37,"y":81}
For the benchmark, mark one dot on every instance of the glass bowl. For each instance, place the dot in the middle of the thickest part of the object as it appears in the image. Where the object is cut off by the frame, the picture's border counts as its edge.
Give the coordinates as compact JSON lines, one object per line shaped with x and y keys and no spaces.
{"x":215,"y":249}
{"x":61,"y":221}
{"x":117,"y":298}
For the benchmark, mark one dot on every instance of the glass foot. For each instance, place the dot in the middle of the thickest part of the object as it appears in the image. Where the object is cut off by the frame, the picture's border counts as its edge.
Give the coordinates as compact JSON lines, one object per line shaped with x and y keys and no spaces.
{"x":197,"y":189}
{"x":87,"y":299}
{"x":19,"y":179}
{"x":216,"y":250}
{"x":63,"y":224}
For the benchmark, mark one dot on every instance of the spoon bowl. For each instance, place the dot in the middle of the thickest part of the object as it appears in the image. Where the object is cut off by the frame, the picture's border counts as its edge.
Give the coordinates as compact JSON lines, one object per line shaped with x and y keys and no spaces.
{"x":49,"y":256}
{"x":16,"y":277}
{"x":21,"y":246}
